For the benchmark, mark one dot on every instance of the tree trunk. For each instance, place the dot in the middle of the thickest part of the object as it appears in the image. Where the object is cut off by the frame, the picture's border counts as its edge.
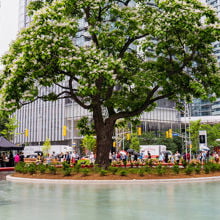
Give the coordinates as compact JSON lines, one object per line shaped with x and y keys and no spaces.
{"x":103,"y":145}
{"x":104,"y":129}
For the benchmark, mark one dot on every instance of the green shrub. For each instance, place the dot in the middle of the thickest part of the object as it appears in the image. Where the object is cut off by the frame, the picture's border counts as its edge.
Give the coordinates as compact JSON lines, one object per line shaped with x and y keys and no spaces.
{"x":150,"y":162}
{"x":132,"y":170}
{"x":96,"y":168}
{"x":184,"y":163}
{"x":52,"y":169}
{"x":20,"y":167}
{"x":113,"y":170}
{"x":193,"y":164}
{"x":188,"y":170}
{"x":198,"y":168}
{"x":213,"y":167}
{"x":32,"y":168}
{"x":65,"y":165}
{"x":67,"y":171}
{"x":103,"y":172}
{"x":148,"y":169}
{"x":25,"y":170}
{"x":160,"y":170}
{"x":206,"y":168}
{"x":123,"y":173}
{"x":77,"y":168}
{"x":42,"y":168}
{"x":141,"y":172}
{"x":176,"y":169}
{"x":85,"y":162}
{"x":85,"y":171}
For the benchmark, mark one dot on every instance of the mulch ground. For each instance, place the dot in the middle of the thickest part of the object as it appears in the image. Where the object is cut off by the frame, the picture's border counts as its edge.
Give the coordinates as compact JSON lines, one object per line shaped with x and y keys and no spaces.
{"x":97,"y":176}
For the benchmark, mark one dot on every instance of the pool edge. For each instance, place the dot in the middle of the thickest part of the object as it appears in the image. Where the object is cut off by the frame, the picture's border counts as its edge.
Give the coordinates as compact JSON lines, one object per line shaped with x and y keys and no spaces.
{"x":134,"y":181}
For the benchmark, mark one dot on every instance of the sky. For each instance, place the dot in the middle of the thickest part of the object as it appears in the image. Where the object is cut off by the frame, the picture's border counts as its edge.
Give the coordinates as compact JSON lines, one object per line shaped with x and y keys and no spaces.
{"x":8,"y":23}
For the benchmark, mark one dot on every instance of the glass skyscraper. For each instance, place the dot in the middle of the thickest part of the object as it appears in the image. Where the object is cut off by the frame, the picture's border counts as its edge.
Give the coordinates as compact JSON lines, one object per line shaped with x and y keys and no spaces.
{"x":204,"y":107}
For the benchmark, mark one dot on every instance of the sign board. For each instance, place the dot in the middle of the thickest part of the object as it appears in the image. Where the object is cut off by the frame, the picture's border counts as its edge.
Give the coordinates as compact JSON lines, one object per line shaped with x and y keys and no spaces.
{"x":176,"y":134}
{"x":202,"y":139}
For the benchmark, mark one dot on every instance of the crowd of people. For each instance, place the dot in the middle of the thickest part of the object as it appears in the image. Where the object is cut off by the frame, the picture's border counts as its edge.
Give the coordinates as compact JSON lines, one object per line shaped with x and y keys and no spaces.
{"x":7,"y":159}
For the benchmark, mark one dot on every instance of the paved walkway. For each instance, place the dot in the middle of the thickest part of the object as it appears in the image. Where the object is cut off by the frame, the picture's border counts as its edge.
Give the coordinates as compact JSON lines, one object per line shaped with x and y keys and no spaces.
{"x":134,"y":181}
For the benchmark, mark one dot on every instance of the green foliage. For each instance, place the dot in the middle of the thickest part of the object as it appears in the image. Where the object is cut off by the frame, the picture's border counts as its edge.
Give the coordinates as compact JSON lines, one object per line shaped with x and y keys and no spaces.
{"x":7,"y":125}
{"x":113,"y":170}
{"x":77,"y":168}
{"x":150,"y":162}
{"x":89,"y":142}
{"x":19,"y":167}
{"x":84,"y":162}
{"x":184,"y":163}
{"x":46,"y":147}
{"x":103,"y":172}
{"x":65,"y":165}
{"x":148,"y":169}
{"x":135,"y":144}
{"x":151,"y":138}
{"x":206,"y":168}
{"x":160,"y":170}
{"x":85,"y":171}
{"x":188,"y":170}
{"x":42,"y":168}
{"x":141,"y":172}
{"x":194,"y":134}
{"x":198,"y":168}
{"x":52,"y":169}
{"x":213,"y":133}
{"x":176,"y":169}
{"x":85,"y":127}
{"x":123,"y":172}
{"x":32,"y":168}
{"x":212,"y":166}
{"x":67,"y":171}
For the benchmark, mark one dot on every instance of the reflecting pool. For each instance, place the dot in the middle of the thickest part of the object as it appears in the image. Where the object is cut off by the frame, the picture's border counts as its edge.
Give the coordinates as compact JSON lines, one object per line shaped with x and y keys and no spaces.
{"x":26,"y":201}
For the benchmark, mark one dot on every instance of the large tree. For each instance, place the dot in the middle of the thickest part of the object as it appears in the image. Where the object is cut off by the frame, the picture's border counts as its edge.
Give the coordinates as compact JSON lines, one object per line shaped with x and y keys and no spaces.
{"x":117,"y":58}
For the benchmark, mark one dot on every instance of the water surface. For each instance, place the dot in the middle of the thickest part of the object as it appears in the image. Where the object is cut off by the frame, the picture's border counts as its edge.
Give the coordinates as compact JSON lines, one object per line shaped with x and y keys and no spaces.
{"x":25,"y":201}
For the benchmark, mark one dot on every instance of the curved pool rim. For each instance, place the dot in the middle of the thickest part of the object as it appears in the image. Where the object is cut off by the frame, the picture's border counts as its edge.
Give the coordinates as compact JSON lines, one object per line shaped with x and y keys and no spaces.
{"x":134,"y":181}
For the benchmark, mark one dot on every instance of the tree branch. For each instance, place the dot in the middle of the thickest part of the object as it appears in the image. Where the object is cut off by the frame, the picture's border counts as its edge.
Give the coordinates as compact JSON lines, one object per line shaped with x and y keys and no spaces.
{"x":74,"y":96}
{"x":128,"y":43}
{"x":137,"y":111}
{"x":94,"y":37}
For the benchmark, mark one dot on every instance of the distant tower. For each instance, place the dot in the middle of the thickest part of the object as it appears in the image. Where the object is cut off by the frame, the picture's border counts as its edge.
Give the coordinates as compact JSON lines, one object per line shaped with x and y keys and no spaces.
{"x":216,"y":5}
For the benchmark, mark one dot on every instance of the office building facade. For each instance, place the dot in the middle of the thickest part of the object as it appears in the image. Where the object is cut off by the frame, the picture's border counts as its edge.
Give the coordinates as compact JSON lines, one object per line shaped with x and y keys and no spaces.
{"x":205,"y":107}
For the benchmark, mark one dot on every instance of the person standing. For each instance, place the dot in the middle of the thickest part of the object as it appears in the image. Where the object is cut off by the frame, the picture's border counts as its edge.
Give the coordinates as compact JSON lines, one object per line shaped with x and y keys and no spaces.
{"x":21,"y":156}
{"x":207,"y":156}
{"x":1,"y":160}
{"x":11,"y":160}
{"x":166,"y":157}
{"x":149,"y":155}
{"x":16,"y":159}
{"x":67,"y":157}
{"x":177,"y":157}
{"x":91,"y":157}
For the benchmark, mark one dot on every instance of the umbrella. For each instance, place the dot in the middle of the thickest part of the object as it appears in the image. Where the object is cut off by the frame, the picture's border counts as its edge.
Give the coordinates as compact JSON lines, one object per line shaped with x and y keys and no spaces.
{"x":123,"y":152}
{"x":38,"y":151}
{"x":136,"y":153}
{"x":130,"y":150}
